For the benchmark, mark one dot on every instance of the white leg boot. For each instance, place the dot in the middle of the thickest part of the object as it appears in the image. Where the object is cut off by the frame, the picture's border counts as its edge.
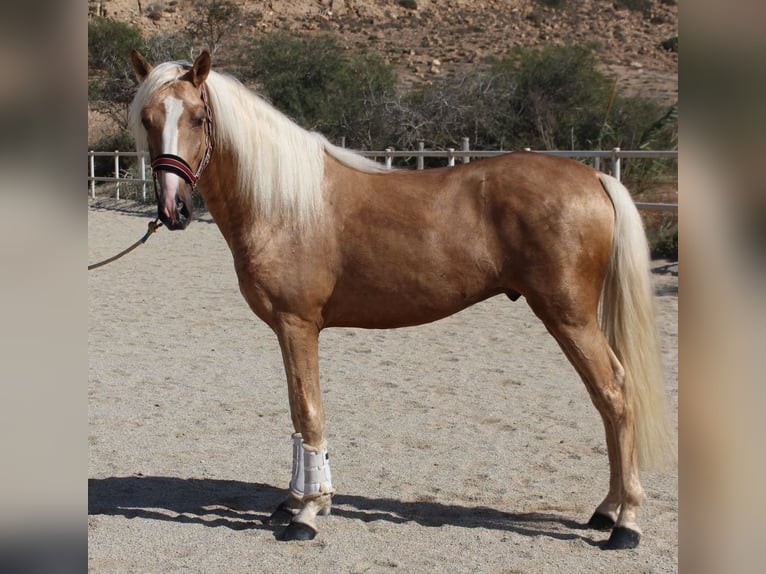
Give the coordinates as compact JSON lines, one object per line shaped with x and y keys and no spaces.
{"x":297,"y":480}
{"x":311,"y":470}
{"x":311,"y":489}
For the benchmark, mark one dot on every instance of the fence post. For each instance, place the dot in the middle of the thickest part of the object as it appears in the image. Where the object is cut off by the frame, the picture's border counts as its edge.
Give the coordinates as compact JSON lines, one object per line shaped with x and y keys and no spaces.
{"x":421,"y":148}
{"x":117,"y":172}
{"x":616,"y":163}
{"x":389,"y":157}
{"x":450,"y":157}
{"x":92,"y":174}
{"x":597,"y":163}
{"x":143,"y":177}
{"x":465,"y":146}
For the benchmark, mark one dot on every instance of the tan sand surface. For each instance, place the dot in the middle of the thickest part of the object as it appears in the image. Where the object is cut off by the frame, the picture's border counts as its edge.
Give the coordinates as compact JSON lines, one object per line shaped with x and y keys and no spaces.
{"x":466,"y":445}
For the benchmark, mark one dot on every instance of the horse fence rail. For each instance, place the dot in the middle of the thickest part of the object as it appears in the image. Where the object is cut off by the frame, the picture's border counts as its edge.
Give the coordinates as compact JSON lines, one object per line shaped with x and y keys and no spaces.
{"x":600,"y":159}
{"x":119,"y":176}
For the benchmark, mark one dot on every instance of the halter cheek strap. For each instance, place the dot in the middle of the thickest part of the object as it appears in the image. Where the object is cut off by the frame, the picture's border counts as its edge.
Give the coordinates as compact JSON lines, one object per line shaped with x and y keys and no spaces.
{"x":178,"y":165}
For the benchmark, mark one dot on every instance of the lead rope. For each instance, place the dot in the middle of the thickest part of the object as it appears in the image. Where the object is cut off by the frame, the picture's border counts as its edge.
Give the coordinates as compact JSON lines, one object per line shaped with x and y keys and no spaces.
{"x":153,"y":226}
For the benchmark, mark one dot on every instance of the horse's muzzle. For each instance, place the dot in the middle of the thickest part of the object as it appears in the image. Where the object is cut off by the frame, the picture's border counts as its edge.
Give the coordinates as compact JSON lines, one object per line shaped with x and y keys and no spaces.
{"x":176,"y":214}
{"x":174,"y":196}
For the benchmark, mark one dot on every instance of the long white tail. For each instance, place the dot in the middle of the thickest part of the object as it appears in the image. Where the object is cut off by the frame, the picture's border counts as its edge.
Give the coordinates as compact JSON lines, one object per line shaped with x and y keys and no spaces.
{"x":628,"y":321}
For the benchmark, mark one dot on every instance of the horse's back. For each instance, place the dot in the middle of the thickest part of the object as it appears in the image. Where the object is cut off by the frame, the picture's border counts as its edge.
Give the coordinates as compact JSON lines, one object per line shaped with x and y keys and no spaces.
{"x":531,"y":213}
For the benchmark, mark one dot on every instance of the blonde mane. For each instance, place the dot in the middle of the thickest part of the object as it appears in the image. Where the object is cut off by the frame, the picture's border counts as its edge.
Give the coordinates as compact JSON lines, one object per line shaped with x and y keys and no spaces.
{"x":280,"y":166}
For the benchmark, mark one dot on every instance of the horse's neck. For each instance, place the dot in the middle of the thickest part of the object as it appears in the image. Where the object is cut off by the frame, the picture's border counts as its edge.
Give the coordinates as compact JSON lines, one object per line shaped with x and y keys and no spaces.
{"x":231,"y":210}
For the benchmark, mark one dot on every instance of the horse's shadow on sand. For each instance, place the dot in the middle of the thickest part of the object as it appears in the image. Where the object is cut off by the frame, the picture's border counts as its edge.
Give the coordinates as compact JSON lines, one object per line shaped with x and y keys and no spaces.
{"x":243,"y":506}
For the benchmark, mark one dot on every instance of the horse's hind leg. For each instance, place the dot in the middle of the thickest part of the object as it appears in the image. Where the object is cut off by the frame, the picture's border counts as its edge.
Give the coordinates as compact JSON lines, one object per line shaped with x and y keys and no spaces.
{"x":581,"y":339}
{"x":606,"y":514}
{"x":311,"y":482}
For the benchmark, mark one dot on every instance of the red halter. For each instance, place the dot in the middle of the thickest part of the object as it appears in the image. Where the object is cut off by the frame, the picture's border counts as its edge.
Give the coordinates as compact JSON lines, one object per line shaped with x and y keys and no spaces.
{"x":178,"y":165}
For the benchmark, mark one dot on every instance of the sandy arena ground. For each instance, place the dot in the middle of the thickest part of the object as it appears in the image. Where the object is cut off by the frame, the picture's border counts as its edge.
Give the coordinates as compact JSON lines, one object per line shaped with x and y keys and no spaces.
{"x":467,"y":445}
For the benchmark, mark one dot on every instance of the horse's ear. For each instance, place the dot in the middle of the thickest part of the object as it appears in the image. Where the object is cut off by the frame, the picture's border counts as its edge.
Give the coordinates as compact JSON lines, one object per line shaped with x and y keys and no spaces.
{"x":199,"y":71}
{"x":140,"y":66}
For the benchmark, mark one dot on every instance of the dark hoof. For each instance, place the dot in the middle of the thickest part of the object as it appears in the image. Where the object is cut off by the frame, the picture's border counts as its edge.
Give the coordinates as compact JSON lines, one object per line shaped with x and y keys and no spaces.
{"x":297,"y":531}
{"x":280,"y":517}
{"x":622,"y":538}
{"x":600,"y":522}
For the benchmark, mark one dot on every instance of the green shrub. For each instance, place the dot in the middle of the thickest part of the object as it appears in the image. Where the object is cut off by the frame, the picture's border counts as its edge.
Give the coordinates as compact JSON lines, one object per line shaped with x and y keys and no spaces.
{"x":299,"y":75}
{"x":312,"y":80}
{"x":641,"y":124}
{"x":550,"y":98}
{"x":111,"y":84}
{"x":663,"y":239}
{"x":559,"y":98}
{"x":109,"y":44}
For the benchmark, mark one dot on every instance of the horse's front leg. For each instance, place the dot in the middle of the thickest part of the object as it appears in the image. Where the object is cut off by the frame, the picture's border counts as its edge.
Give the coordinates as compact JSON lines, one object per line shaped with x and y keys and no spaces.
{"x":311,"y":482}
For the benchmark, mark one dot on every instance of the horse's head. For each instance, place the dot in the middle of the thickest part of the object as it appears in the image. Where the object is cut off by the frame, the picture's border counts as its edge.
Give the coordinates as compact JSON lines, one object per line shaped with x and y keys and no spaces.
{"x":175,"y":116}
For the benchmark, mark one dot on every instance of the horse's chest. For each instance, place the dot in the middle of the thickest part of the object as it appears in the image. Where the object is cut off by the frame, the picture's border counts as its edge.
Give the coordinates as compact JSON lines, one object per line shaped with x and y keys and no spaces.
{"x":285,"y":281}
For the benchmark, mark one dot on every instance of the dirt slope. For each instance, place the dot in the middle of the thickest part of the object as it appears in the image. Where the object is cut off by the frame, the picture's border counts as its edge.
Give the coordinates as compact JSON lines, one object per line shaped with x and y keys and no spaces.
{"x":427,"y":38}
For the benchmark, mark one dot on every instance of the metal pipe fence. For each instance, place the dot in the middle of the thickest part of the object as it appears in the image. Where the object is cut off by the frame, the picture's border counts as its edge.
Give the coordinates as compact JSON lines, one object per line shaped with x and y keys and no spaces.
{"x":119,"y":175}
{"x":600,"y":159}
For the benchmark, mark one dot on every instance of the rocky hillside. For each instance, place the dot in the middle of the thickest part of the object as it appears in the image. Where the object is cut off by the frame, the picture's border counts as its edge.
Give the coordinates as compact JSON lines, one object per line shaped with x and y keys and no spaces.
{"x":424,"y":39}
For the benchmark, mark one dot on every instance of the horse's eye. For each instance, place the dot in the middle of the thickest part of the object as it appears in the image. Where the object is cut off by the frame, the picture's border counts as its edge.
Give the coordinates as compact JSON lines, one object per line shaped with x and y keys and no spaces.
{"x":197,"y":122}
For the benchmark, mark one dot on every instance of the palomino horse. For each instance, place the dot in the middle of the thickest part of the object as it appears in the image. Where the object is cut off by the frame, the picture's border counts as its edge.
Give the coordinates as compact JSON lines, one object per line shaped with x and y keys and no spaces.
{"x":322,"y":237}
